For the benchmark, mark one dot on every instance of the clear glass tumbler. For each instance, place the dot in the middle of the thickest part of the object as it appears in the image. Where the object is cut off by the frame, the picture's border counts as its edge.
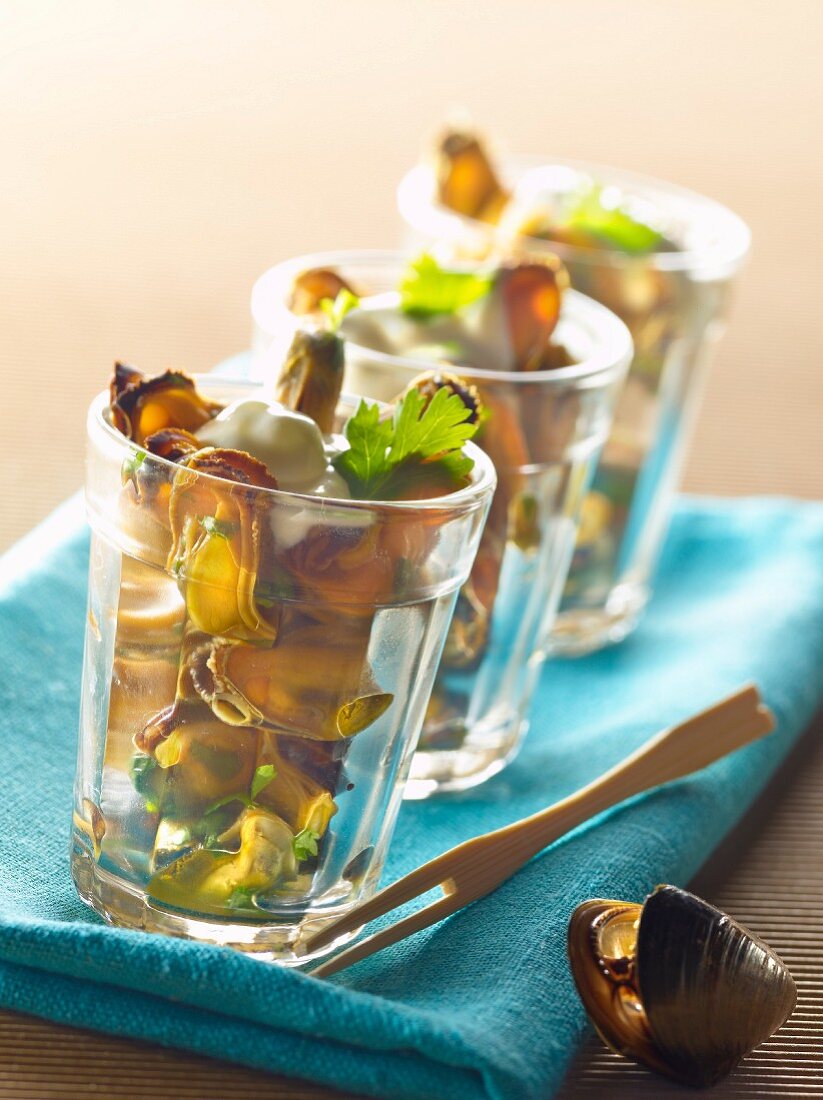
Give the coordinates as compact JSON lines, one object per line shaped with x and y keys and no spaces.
{"x":257,"y":668}
{"x":674,"y":303}
{"x":544,"y":430}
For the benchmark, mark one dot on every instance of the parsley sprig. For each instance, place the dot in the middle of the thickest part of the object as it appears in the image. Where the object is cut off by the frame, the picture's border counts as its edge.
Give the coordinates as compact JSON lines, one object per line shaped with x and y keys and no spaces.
{"x":305,"y":844}
{"x":336,"y":309}
{"x":421,"y":445}
{"x":220,"y":528}
{"x":427,"y":289}
{"x":216,"y":817}
{"x":608,"y":222}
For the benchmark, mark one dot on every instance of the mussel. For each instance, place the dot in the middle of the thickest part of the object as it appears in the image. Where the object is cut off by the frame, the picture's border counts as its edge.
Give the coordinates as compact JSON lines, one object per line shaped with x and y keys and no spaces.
{"x":312,"y":376}
{"x":260,"y":856}
{"x":466,"y":180}
{"x":219,"y":529}
{"x":531,"y":289}
{"x":313,"y":683}
{"x":676,"y":983}
{"x":141,"y":406}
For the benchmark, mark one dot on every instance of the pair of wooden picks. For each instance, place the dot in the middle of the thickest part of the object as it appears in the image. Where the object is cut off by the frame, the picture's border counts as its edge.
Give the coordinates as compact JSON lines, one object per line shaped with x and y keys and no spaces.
{"x":627,"y":960}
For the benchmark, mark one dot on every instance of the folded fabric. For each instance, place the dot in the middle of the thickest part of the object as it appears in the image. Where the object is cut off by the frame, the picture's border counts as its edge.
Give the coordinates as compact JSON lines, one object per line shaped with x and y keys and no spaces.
{"x":483,"y":1004}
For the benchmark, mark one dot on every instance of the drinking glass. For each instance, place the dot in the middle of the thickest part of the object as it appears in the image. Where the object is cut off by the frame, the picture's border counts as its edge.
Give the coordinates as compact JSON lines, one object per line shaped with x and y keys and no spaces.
{"x":674,"y":302}
{"x":544,"y":430}
{"x":257,"y":668}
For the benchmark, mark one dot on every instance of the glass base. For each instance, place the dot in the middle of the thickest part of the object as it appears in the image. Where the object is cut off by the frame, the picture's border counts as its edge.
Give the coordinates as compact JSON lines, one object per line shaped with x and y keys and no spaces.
{"x":582,"y":630}
{"x":482,"y":754}
{"x":123,"y":904}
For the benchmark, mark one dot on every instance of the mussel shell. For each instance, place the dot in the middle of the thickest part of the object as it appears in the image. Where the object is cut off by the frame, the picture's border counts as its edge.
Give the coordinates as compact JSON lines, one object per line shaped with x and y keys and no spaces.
{"x":428,"y":383}
{"x":711,"y":990}
{"x":312,"y":376}
{"x":689,"y":994}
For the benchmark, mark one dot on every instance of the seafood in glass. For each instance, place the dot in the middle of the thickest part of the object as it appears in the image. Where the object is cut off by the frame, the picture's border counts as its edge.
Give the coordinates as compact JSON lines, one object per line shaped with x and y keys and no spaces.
{"x":663,"y":259}
{"x":265,"y":620}
{"x":538,"y":366}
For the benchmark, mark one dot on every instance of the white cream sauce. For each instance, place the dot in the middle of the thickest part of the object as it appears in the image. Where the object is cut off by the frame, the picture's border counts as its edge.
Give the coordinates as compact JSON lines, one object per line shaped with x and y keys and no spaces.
{"x":295,"y":453}
{"x":476,"y":337}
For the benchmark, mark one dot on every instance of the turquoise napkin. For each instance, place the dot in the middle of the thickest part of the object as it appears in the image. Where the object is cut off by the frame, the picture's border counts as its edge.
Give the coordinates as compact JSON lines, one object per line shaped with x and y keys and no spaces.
{"x":482,"y":1005}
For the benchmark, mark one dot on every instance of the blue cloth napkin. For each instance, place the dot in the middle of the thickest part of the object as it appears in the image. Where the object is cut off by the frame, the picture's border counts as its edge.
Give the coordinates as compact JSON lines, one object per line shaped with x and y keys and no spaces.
{"x":482,"y":1005}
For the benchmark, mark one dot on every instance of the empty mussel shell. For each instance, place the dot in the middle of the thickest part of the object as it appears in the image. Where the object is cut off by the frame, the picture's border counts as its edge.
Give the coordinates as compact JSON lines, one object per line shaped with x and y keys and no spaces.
{"x":676,"y":983}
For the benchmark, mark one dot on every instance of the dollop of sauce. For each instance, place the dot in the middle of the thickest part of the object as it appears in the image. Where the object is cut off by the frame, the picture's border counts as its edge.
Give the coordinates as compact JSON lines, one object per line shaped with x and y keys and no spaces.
{"x":289,"y":443}
{"x":476,"y":336}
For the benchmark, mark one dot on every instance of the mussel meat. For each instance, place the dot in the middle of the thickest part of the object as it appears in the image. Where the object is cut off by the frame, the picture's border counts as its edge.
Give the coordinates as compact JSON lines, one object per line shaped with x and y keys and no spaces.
{"x":428,"y":384}
{"x":216,"y":880}
{"x":466,"y":180}
{"x":218,"y":534}
{"x":313,"y":683}
{"x":532,"y":291}
{"x":141,"y":406}
{"x":677,"y":984}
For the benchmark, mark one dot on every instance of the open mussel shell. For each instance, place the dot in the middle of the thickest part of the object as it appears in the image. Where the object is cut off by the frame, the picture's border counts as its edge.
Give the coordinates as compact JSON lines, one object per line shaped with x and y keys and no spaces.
{"x":677,"y":984}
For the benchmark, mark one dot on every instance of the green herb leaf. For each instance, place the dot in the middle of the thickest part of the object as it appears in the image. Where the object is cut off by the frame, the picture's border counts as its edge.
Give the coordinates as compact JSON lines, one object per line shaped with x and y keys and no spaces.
{"x":305,"y":844}
{"x":369,"y":439}
{"x":219,"y":527}
{"x":217,"y":818}
{"x":242,"y":897}
{"x":221,"y":802}
{"x":262,"y":777}
{"x":422,"y":445}
{"x":610,"y":224}
{"x":131,"y":465}
{"x":147,"y":778}
{"x":278,"y":586}
{"x":337,"y":309}
{"x":427,"y":289}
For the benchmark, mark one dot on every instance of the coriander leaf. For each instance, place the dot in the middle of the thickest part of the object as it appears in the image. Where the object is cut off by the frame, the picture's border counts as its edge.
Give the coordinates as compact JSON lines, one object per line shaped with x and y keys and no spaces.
{"x":219,"y":527}
{"x":427,"y":289}
{"x":263,"y":775}
{"x":141,"y":767}
{"x":305,"y":844}
{"x":594,"y":213}
{"x":337,"y":309}
{"x":421,"y":447}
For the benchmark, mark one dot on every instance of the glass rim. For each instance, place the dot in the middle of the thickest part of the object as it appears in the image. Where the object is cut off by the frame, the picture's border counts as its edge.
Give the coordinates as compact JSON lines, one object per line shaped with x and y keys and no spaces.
{"x":610,"y":357}
{"x":419,"y":210}
{"x":483,"y":475}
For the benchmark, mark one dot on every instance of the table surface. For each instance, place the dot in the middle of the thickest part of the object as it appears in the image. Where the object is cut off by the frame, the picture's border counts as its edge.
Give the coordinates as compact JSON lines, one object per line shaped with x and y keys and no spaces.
{"x":768,"y":873}
{"x":164,"y":159}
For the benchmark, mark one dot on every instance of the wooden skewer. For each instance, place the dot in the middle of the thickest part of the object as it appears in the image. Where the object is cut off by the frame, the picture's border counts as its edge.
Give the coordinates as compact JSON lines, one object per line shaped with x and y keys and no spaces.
{"x":475,"y":868}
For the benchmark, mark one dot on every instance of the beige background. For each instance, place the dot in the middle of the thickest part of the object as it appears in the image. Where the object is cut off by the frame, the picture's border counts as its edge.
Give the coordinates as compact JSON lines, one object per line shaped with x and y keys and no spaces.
{"x":157,"y":156}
